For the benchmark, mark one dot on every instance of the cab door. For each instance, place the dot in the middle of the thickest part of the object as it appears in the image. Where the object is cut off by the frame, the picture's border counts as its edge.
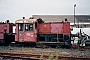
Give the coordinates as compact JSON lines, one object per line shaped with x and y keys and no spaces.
{"x":21,"y":32}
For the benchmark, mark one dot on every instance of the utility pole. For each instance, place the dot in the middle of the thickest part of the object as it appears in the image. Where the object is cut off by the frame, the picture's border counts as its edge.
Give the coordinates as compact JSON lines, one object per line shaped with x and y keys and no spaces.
{"x":74,"y":13}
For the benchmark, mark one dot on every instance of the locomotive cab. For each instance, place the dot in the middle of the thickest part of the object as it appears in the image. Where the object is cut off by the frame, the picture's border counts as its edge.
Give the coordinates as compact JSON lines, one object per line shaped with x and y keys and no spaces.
{"x":25,"y":30}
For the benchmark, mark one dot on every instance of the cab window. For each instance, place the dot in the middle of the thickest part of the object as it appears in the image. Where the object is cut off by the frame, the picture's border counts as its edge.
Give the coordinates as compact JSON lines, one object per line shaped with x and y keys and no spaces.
{"x":28,"y":27}
{"x":21,"y":26}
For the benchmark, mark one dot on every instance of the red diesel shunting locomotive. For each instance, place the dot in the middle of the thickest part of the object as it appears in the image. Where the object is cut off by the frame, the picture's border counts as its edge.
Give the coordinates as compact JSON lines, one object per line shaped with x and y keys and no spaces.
{"x":37,"y":31}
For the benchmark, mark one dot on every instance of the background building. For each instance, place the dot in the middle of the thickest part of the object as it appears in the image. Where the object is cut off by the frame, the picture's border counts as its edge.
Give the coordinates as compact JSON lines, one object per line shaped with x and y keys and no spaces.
{"x":81,"y":21}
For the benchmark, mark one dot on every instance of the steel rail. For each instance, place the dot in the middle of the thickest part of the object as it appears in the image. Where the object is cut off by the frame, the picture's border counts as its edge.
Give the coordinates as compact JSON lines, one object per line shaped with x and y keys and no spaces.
{"x":37,"y":56}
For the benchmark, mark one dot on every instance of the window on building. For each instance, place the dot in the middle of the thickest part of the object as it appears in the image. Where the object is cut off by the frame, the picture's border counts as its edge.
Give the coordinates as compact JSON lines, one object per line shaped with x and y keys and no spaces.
{"x":85,"y":26}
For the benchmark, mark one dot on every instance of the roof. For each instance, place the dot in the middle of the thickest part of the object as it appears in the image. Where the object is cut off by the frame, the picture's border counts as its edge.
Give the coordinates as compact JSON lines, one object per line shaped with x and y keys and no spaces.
{"x":25,"y":20}
{"x":59,"y":18}
{"x":83,"y":18}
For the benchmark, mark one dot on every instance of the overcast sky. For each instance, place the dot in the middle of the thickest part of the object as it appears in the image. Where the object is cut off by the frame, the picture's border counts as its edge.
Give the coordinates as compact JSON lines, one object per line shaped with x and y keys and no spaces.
{"x":16,"y":9}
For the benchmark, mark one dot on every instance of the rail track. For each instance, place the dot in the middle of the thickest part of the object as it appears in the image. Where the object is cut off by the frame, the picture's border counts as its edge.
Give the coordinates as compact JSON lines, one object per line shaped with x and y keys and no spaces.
{"x":20,"y":52}
{"x":23,"y":56}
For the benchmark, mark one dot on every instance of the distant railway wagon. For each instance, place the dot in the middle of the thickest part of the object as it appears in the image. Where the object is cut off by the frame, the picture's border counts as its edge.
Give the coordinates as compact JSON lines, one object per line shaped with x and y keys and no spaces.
{"x":37,"y":31}
{"x":6,"y":32}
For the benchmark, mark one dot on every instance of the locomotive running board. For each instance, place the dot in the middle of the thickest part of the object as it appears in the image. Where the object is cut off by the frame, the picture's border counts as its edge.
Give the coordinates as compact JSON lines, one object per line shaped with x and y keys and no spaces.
{"x":51,"y":43}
